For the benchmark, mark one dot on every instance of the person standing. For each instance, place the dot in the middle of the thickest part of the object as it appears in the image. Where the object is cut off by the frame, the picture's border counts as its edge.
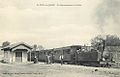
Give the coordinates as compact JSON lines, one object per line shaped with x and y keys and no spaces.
{"x":52,"y":58}
{"x":48,"y":59}
{"x":61,"y":58}
{"x":35,"y":59}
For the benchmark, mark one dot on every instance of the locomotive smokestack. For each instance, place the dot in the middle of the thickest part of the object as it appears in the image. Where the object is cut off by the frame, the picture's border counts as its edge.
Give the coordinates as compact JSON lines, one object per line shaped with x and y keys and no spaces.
{"x":104,"y":44}
{"x":103,"y":47}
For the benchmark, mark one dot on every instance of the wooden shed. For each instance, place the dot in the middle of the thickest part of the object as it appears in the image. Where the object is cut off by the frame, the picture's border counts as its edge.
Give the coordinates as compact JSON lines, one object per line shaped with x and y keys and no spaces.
{"x":16,"y":52}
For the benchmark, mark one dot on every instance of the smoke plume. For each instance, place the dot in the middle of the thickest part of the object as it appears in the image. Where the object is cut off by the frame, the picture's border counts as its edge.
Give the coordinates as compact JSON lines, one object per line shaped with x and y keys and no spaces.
{"x":107,"y":9}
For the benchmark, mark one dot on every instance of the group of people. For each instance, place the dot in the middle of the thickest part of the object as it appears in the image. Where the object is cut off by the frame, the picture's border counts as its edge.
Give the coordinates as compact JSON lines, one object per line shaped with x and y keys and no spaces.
{"x":50,"y":58}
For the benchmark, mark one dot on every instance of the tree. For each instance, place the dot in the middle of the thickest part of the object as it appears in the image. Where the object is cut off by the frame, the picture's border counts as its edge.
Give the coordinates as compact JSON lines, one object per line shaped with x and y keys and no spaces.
{"x":40,"y":47}
{"x":107,"y":40}
{"x":99,"y":43}
{"x":34,"y":47}
{"x":6,"y":43}
{"x":112,"y":40}
{"x":37,"y":47}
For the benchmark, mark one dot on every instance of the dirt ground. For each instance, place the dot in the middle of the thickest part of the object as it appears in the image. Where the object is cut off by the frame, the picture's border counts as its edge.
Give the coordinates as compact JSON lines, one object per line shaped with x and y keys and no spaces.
{"x":55,"y":70}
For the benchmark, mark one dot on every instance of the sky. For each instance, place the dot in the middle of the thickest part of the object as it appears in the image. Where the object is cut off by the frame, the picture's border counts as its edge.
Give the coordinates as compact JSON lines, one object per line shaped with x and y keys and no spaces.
{"x":57,"y":26}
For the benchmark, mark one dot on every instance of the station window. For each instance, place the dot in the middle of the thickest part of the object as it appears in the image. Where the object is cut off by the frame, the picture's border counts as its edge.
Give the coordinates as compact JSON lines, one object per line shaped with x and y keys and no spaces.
{"x":67,"y":51}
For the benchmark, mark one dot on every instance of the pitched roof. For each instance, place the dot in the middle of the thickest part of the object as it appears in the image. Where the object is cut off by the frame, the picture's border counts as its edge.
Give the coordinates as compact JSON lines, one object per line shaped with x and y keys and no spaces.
{"x":17,"y":44}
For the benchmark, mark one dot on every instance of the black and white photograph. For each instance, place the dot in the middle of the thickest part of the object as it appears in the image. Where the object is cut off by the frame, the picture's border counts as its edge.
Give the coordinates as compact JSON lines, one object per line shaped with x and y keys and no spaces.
{"x":59,"y":38}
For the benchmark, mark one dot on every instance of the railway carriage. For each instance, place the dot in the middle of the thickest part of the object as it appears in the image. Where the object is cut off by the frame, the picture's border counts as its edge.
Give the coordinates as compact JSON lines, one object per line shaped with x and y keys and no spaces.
{"x":67,"y":52}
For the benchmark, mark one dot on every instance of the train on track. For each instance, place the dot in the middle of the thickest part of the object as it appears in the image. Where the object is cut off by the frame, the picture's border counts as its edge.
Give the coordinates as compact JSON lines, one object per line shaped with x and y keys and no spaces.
{"x":76,"y":54}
